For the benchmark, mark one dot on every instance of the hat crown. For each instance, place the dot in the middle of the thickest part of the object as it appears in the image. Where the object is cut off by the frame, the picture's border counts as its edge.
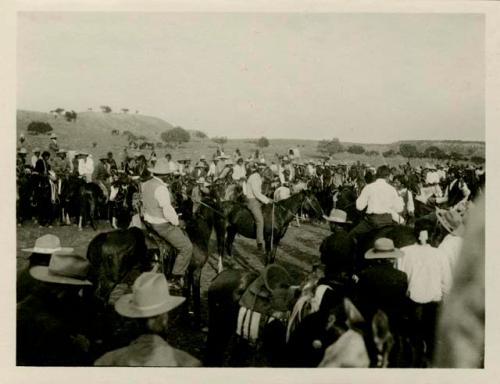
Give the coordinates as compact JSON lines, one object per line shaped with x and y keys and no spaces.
{"x":69,"y":265}
{"x":338,"y":214}
{"x":383,"y":245}
{"x":150,"y":290}
{"x":48,"y":242}
{"x":161,"y":167}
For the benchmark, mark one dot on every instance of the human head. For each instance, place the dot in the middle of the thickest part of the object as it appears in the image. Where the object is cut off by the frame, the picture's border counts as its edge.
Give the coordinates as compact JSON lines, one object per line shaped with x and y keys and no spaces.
{"x":383,"y":172}
{"x":110,"y":155}
{"x":168,"y":156}
{"x":45,"y":155}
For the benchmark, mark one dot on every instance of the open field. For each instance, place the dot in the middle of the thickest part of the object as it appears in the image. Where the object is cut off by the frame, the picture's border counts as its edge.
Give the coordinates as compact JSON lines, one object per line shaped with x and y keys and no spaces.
{"x":96,"y":127}
{"x":297,"y":251}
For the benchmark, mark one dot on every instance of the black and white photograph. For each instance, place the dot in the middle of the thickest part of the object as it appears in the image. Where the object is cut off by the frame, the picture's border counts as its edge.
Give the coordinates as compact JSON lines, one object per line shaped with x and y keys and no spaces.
{"x":250,"y":189}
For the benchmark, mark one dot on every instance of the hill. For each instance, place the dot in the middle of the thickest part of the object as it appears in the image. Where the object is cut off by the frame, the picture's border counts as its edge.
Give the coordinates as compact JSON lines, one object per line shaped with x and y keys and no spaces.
{"x":96,"y":127}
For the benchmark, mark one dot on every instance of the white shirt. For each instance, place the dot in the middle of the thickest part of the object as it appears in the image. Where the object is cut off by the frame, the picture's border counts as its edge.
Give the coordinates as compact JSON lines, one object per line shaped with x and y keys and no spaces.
{"x":451,"y":247}
{"x":239,"y":172}
{"x":378,"y":198}
{"x":34,"y":159}
{"x":254,"y":188}
{"x":162,"y":195}
{"x":281,"y":193}
{"x":428,"y":271}
{"x":212,"y":170}
{"x":427,"y":192}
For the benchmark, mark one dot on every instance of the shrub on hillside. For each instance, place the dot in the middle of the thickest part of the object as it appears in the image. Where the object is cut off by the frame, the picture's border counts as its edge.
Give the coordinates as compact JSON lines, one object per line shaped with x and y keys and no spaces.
{"x":36,"y":127}
{"x":478,"y":159}
{"x":372,"y":153}
{"x":106,"y":109}
{"x":70,"y":115}
{"x":200,"y":134}
{"x":330,"y":147}
{"x":408,"y":150}
{"x":219,"y":140}
{"x":434,"y":152}
{"x":125,"y":110}
{"x":262,"y":142}
{"x":389,"y":153}
{"x":176,"y":135}
{"x":356,"y":149}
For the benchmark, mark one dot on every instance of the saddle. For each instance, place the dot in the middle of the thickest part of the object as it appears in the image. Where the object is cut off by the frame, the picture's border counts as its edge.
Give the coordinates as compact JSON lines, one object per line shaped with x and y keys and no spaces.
{"x":266,"y":294}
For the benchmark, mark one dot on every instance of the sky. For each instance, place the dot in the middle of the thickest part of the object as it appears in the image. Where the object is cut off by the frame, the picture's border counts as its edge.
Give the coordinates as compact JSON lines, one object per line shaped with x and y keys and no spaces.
{"x":368,"y":78}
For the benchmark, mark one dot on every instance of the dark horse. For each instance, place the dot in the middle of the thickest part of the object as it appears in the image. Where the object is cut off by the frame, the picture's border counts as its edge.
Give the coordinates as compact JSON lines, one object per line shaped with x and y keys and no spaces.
{"x":236,"y":218}
{"x":91,"y":201}
{"x":117,"y":257}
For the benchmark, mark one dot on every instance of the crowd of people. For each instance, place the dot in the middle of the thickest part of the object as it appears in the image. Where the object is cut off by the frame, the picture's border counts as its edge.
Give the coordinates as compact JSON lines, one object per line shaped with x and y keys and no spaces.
{"x":408,"y":284}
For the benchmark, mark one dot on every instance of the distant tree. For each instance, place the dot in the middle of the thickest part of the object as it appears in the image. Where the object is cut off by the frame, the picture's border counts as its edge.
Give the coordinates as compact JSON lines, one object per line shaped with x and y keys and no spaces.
{"x":434,"y":152}
{"x":39,"y":127}
{"x":262,"y":142}
{"x":94,"y":144}
{"x":142,"y":137}
{"x":330,"y":147}
{"x":106,"y":109}
{"x":408,"y":150}
{"x":200,"y":134}
{"x":372,"y":153}
{"x":70,"y":115}
{"x":220,"y":140}
{"x":89,"y":109}
{"x":478,"y":159}
{"x":176,"y":135}
{"x":389,"y":153}
{"x":456,"y":156}
{"x":356,"y":149}
{"x":136,"y":111}
{"x":125,"y":110}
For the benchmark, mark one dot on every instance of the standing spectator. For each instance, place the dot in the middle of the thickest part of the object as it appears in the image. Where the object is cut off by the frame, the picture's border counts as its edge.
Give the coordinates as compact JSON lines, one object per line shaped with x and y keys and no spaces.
{"x":111,"y":163}
{"x":452,"y":243}
{"x":43,"y":192}
{"x":212,"y":171}
{"x":53,"y":145}
{"x":35,"y":157}
{"x":125,"y":158}
{"x":150,"y":301}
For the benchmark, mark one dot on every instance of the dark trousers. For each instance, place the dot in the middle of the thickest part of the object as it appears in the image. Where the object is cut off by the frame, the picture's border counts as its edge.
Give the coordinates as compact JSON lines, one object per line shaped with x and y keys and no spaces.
{"x":369,"y":223}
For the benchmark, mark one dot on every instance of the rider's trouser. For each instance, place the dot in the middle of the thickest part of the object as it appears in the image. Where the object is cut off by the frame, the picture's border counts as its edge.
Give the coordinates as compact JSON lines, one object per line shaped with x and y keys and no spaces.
{"x":369,"y":223}
{"x":255,"y":207}
{"x":175,"y":237}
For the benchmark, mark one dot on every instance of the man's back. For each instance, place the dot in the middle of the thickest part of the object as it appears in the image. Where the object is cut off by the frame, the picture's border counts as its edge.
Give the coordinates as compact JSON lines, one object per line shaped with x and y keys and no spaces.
{"x":378,"y":198}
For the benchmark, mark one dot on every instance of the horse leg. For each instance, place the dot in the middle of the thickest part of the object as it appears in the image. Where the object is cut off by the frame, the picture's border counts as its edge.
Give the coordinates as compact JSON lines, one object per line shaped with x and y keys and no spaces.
{"x":92,"y":214}
{"x":231,"y":234}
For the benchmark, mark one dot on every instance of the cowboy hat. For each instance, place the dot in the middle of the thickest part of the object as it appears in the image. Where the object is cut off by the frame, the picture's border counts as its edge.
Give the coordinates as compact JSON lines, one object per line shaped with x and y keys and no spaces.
{"x":53,"y":136}
{"x":48,"y":244}
{"x":150,"y":297}
{"x":222,"y":156}
{"x":22,"y":151}
{"x":451,"y":220}
{"x":383,"y":248}
{"x":262,"y":162}
{"x":63,"y":269}
{"x":161,"y":168}
{"x":337,"y":216}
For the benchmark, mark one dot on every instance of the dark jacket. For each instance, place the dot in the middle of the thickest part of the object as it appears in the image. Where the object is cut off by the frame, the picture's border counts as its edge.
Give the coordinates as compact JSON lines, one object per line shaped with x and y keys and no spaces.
{"x":337,"y":251}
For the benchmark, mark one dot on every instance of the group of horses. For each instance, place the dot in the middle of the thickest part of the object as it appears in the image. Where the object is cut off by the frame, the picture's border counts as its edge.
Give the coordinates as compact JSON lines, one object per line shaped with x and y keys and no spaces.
{"x":118,"y":256}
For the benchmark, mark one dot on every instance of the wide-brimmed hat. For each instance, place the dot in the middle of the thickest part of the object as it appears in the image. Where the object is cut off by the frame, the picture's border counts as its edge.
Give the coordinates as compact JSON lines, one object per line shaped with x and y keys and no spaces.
{"x":53,"y":136}
{"x":49,"y":244}
{"x":261,"y":163}
{"x":337,"y":216}
{"x":22,"y":151}
{"x":383,"y":248}
{"x":36,"y":150}
{"x":161,"y":167}
{"x":229,"y":162}
{"x":451,"y":220}
{"x":199,"y":165}
{"x":63,"y":269}
{"x":150,"y":297}
{"x":222,"y":156}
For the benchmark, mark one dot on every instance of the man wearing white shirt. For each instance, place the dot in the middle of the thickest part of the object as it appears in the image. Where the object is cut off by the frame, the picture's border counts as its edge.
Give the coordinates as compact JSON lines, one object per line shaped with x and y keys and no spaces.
{"x":159,"y":212}
{"x":256,"y":199}
{"x":381,"y":201}
{"x":35,"y":157}
{"x":451,"y":245}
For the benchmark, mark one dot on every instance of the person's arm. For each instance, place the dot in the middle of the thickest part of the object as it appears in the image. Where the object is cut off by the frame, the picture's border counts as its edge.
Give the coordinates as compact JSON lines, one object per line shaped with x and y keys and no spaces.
{"x":362,"y":200}
{"x":257,"y":190}
{"x":163,"y":197}
{"x":410,"y":205}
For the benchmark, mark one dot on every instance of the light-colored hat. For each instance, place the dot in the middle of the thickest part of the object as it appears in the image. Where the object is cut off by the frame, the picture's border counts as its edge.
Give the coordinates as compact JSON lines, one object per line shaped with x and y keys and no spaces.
{"x":229,"y":162}
{"x":430,"y":166}
{"x":199,"y":165}
{"x":62,"y":151}
{"x":22,"y":151}
{"x":150,"y":297}
{"x":222,"y":157}
{"x":36,"y":150}
{"x":451,"y":220}
{"x":383,"y":248}
{"x":337,"y":216}
{"x":48,"y":244}
{"x":161,"y":167}
{"x":63,"y":269}
{"x":262,"y":162}
{"x":21,"y":136}
{"x":53,"y":136}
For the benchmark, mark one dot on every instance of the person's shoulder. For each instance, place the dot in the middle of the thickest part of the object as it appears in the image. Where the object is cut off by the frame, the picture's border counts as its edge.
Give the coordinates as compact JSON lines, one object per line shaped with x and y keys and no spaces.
{"x":184,"y":359}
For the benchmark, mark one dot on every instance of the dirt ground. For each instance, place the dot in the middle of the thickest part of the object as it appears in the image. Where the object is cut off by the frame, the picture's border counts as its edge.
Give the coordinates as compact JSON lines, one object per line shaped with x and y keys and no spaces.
{"x":297,"y":251}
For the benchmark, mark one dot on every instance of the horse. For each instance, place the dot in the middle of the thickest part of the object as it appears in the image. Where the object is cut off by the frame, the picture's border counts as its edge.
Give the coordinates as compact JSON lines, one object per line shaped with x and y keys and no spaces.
{"x":91,"y":201}
{"x":235,"y":218}
{"x":115,"y":255}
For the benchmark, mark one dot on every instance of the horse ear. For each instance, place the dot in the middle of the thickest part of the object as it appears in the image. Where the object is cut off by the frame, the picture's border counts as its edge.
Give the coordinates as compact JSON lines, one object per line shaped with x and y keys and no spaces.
{"x":352,"y":313}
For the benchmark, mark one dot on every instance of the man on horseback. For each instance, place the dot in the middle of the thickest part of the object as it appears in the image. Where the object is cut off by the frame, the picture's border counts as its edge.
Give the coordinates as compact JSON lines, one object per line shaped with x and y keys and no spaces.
{"x":381,"y":201}
{"x":160,"y":214}
{"x":255,"y":200}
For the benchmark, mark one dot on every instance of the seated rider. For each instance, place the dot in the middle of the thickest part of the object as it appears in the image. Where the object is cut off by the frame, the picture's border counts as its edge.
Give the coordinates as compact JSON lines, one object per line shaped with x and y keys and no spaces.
{"x":381,"y":201}
{"x":255,"y":200}
{"x":160,"y":214}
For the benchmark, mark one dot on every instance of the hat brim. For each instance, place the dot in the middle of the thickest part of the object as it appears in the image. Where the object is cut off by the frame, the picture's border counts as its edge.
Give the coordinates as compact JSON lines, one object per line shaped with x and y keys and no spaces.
{"x":42,"y":273}
{"x":454,"y":231}
{"x":335,"y":220}
{"x":373,"y":254}
{"x":125,"y":306}
{"x":45,"y":251}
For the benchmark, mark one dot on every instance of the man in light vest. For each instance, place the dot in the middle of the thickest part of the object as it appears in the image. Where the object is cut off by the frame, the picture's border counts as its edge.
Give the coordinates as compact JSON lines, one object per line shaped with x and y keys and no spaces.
{"x":159,"y":212}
